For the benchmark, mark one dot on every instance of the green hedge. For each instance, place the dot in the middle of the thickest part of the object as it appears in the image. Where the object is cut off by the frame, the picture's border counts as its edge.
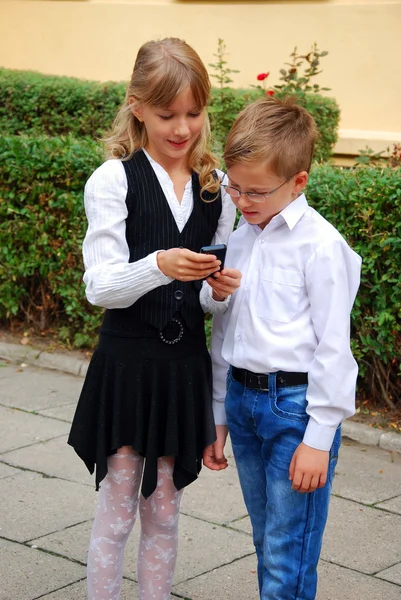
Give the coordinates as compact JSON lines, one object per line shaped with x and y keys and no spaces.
{"x":31,"y":103}
{"x":42,"y":224}
{"x":365,"y":206}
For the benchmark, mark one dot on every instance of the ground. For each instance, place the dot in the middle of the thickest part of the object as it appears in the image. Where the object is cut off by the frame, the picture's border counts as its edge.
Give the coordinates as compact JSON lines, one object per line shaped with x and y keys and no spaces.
{"x":367,"y":413}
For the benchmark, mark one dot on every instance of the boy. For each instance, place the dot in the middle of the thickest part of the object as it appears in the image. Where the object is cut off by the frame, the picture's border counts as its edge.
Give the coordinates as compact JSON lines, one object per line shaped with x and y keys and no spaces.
{"x":285,"y":341}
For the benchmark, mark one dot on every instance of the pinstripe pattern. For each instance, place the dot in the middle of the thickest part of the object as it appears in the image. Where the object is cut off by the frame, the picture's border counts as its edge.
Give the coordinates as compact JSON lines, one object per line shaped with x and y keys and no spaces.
{"x":150,"y":226}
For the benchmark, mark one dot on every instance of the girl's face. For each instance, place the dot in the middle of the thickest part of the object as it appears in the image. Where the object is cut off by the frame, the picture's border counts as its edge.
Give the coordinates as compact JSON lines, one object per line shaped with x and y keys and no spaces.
{"x":171,"y":131}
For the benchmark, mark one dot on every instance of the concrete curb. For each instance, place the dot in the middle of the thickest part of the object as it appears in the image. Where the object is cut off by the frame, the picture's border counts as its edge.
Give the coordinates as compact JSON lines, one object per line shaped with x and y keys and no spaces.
{"x":63,"y":362}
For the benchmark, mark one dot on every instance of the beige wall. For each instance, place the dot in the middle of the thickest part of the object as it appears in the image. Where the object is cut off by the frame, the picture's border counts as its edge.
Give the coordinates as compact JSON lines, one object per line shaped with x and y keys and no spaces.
{"x":99,"y":39}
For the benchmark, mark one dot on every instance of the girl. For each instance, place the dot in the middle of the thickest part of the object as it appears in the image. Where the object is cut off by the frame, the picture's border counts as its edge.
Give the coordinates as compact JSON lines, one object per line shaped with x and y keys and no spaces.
{"x":144,"y":414}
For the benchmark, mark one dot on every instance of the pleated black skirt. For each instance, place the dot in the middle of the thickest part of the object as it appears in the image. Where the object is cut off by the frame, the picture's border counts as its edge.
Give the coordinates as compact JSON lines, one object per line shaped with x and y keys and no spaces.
{"x":155,"y":397}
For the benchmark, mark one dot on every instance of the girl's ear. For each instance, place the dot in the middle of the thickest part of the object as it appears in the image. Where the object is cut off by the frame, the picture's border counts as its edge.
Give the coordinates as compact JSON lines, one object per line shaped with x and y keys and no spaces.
{"x":136,"y":108}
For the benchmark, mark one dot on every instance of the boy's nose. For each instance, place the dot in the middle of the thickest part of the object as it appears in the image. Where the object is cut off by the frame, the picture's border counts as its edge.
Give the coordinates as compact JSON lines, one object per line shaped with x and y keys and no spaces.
{"x":243,"y":201}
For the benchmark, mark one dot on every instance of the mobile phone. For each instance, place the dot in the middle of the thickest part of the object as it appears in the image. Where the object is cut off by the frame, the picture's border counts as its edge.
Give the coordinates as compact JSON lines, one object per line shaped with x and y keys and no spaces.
{"x":219,"y":250}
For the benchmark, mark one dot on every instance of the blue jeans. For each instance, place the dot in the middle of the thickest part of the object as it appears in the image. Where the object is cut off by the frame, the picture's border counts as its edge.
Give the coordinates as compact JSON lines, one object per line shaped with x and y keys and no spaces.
{"x":265,"y":428}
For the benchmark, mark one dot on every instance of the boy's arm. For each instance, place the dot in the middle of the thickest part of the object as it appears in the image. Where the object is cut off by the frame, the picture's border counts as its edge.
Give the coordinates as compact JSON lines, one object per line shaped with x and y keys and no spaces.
{"x":332,"y":280}
{"x":213,"y":456}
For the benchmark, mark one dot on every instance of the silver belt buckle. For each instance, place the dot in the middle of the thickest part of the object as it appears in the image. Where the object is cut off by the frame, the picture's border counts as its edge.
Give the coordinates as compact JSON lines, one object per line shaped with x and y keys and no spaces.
{"x":260,"y":384}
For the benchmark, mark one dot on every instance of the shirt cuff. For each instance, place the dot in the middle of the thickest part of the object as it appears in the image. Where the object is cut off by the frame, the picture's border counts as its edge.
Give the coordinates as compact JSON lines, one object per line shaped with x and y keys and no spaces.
{"x":161,"y":278}
{"x":219,"y":412}
{"x":209,"y":305}
{"x":318,"y":436}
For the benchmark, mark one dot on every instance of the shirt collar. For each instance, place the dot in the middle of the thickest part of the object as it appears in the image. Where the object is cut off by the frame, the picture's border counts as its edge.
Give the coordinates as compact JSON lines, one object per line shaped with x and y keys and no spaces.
{"x":294,"y":211}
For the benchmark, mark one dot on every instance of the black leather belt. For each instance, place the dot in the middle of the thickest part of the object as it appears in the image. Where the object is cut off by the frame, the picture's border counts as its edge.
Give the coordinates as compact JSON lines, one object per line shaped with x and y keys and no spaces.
{"x":260,"y":381}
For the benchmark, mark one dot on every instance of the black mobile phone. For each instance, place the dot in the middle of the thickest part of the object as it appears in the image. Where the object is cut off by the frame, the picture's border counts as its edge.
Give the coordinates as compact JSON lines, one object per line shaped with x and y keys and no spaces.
{"x":219,"y":250}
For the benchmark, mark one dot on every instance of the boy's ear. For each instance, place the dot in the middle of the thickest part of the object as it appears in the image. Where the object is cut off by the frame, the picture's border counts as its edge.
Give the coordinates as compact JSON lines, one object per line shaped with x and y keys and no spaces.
{"x":136,"y":108}
{"x":300,"y":181}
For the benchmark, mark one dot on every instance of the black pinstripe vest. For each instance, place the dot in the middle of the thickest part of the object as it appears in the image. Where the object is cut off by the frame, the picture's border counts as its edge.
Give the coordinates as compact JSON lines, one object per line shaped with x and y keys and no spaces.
{"x":150,"y":226}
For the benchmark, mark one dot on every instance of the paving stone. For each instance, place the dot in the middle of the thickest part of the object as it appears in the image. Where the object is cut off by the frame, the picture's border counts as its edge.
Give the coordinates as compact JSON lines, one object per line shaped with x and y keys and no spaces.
{"x":391,"y":441}
{"x":216,"y":496}
{"x":367,"y":474}
{"x":360,"y":537}
{"x":337,"y":583}
{"x":24,"y":429}
{"x":6,"y":471}
{"x":359,"y":432}
{"x":243,"y":524}
{"x":194,"y":536}
{"x":53,"y":457}
{"x":236,"y":581}
{"x":61,"y":362}
{"x":33,"y":506}
{"x":63,"y":413}
{"x":393,"y":505}
{"x":78,"y":591}
{"x":392,"y":574}
{"x":46,"y":389}
{"x":26,"y":573}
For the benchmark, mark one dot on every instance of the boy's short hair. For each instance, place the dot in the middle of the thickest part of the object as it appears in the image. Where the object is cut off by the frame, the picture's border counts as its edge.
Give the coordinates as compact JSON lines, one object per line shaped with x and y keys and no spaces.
{"x":279,"y":133}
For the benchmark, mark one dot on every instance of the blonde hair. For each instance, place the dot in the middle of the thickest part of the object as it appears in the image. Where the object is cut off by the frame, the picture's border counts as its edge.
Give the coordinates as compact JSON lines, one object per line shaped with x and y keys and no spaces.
{"x":163,"y":69}
{"x":277,"y":132}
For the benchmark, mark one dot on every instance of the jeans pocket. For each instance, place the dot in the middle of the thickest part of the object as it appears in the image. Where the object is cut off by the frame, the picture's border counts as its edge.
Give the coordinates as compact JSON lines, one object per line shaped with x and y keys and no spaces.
{"x":290,"y":403}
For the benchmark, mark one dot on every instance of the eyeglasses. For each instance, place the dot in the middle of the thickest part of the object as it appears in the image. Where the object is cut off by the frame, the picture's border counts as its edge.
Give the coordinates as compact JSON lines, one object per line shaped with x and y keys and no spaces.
{"x":252,"y":196}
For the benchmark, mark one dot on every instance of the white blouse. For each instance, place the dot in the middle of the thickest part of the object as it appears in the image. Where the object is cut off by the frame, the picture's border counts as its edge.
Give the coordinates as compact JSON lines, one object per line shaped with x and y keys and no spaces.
{"x":111,"y":281}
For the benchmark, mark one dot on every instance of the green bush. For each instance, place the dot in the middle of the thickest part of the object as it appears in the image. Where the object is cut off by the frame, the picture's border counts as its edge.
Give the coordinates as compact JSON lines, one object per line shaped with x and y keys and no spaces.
{"x":43,"y":104}
{"x":365,"y":206}
{"x":42,"y":224}
{"x":34,"y":104}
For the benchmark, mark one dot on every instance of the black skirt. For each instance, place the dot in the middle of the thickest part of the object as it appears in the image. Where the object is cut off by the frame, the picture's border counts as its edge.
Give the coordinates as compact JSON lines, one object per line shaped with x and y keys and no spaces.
{"x":153,"y":396}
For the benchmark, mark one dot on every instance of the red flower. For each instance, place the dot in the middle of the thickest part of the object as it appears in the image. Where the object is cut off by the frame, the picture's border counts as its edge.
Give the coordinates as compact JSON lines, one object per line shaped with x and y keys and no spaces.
{"x":270,"y":93}
{"x":262,"y":76}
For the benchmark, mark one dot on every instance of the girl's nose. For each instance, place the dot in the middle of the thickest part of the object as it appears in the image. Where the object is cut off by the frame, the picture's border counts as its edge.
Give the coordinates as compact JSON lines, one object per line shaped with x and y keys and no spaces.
{"x":181,"y":129}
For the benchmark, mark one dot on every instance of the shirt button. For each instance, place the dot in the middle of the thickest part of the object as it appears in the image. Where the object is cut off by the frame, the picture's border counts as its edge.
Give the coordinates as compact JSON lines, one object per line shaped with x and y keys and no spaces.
{"x":178,"y":294}
{"x":238,"y":337}
{"x":261,"y":241}
{"x":247,"y":288}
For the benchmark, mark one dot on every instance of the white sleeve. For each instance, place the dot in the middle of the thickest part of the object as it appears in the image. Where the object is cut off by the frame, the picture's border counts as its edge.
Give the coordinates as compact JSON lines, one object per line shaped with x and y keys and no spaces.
{"x":226,"y":222}
{"x":332,"y":280}
{"x":209,"y":305}
{"x":220,"y":369}
{"x":224,"y":229}
{"x":111,"y":280}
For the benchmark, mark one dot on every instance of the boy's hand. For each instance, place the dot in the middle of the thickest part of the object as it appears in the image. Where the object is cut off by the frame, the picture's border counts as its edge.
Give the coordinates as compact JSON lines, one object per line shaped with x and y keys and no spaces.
{"x":308,"y":468}
{"x":224,"y":283}
{"x":213,"y":456}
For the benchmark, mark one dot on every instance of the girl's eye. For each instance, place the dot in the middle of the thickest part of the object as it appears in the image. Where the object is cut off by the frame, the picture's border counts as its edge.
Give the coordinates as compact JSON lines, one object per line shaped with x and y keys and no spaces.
{"x":165,"y":117}
{"x":194,"y":115}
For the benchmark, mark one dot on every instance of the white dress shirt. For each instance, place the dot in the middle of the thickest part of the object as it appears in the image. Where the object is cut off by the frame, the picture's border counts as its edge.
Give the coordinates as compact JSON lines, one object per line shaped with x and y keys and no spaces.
{"x":292,"y":313}
{"x":111,"y":281}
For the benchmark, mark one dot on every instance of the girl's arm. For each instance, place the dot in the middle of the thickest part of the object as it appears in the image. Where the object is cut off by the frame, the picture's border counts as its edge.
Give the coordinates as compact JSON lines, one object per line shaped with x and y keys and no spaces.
{"x":111,"y":281}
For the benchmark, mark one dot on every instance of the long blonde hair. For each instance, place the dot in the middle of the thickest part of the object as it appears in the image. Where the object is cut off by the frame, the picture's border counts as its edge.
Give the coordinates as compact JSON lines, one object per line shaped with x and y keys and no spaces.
{"x":162,"y":70}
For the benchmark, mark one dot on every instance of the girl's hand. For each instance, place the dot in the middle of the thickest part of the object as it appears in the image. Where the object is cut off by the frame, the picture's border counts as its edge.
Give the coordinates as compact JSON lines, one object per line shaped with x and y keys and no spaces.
{"x":213,"y":456}
{"x":185,"y":265}
{"x":224,"y":283}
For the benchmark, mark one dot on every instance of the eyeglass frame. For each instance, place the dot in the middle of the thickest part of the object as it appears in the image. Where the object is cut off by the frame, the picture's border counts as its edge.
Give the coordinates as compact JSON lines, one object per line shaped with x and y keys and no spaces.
{"x":247,"y":194}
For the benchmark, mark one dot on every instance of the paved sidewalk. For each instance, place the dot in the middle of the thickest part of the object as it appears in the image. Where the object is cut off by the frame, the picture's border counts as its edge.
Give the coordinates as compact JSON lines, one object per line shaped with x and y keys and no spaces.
{"x":47,"y":500}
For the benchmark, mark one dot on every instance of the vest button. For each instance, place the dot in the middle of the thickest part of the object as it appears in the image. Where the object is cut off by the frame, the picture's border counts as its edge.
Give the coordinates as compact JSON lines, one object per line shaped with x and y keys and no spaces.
{"x":178,"y":294}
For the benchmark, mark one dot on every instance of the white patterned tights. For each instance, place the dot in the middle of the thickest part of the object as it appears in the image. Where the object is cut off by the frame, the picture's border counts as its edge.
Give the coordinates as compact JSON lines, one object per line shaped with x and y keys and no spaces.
{"x":114,"y":520}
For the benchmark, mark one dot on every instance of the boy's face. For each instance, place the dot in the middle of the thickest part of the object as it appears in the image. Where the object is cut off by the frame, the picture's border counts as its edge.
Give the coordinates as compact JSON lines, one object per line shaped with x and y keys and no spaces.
{"x":260,"y":179}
